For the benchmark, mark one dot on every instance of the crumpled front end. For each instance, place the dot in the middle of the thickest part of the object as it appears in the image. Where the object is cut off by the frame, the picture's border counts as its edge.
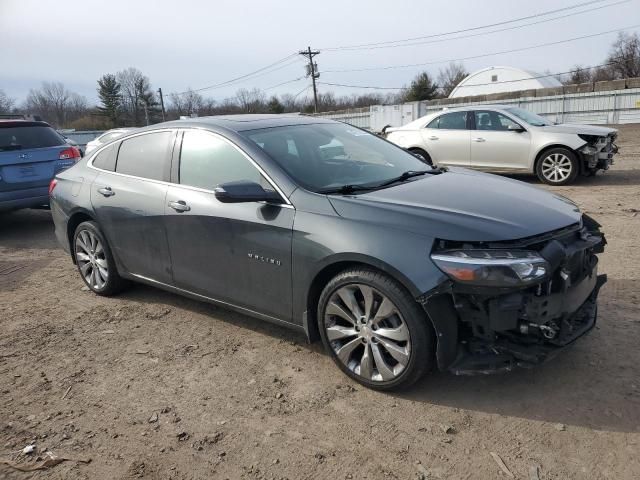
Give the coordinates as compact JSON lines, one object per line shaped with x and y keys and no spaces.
{"x":598,"y":152}
{"x":514,"y":303}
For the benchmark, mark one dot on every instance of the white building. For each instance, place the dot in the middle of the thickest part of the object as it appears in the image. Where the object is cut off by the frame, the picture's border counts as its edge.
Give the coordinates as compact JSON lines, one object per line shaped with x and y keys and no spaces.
{"x":502,"y":79}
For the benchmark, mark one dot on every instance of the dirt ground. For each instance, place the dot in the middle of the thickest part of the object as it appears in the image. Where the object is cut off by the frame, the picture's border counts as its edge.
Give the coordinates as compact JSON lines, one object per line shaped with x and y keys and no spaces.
{"x":153,"y":385}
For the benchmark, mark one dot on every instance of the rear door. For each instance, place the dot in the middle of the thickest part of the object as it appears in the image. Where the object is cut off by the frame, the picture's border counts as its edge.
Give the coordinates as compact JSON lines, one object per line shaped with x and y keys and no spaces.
{"x":128,"y":197}
{"x":447,"y":139}
{"x":239,"y":253}
{"x":498,"y":142}
{"x":31,"y":154}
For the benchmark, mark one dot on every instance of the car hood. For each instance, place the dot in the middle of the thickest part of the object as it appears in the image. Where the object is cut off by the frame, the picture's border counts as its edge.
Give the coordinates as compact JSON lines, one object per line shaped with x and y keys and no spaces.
{"x":579,"y":129}
{"x":462,"y":205}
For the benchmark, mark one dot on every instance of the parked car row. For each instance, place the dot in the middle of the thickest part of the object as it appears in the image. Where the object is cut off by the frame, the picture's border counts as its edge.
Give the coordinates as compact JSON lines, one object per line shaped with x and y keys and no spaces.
{"x":501,"y":138}
{"x":333,"y":231}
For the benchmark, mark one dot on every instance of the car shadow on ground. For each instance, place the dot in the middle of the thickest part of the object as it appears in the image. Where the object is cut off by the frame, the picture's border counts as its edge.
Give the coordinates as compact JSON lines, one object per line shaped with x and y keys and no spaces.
{"x":584,"y":386}
{"x":22,"y":229}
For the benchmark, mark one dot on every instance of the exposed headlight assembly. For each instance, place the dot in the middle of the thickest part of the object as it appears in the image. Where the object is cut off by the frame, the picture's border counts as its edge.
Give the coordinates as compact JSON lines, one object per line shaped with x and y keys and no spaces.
{"x":492,"y":268}
{"x":589,"y":150}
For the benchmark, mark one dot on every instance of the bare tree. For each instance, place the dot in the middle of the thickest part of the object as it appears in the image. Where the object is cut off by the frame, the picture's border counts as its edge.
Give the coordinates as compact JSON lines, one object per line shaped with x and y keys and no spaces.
{"x":624,"y":56}
{"x":251,"y":101}
{"x":137,"y":96}
{"x":187,"y":103}
{"x":579,"y":74}
{"x":450,"y":76}
{"x":6,"y":102}
{"x":56,"y":104}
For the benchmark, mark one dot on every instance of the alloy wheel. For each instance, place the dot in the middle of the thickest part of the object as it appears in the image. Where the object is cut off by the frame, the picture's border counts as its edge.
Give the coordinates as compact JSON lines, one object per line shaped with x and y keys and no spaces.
{"x":367,"y":332}
{"x":556,"y":167}
{"x":91,"y":259}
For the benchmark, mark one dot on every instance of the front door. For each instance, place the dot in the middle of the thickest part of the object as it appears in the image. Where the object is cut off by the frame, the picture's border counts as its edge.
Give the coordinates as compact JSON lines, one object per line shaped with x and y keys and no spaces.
{"x":238,"y":253}
{"x":498,"y":143}
{"x":128,"y":197}
{"x":447,"y":139}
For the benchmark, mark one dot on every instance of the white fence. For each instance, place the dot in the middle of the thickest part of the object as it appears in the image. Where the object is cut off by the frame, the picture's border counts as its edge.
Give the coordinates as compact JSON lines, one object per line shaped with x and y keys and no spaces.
{"x":601,"y":107}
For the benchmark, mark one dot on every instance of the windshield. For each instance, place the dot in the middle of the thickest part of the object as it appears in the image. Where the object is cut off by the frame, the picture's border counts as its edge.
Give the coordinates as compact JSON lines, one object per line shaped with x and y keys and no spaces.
{"x":530,"y":118}
{"x":325,"y":157}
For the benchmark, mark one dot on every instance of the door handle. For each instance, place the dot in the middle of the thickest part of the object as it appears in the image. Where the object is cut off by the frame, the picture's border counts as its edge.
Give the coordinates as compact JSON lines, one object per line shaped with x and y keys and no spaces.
{"x":479,"y":139}
{"x":433,"y":137}
{"x":106,"y":192}
{"x":180,"y":206}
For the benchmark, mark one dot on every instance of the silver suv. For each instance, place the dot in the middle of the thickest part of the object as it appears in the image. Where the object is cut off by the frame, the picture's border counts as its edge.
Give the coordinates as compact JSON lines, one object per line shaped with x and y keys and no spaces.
{"x":502,"y":138}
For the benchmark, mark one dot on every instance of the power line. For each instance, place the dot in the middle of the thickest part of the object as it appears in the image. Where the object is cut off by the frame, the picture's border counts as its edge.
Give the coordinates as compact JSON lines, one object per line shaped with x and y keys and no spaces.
{"x":284,"y":83}
{"x":441,"y":40}
{"x":474,"y":84}
{"x":254,"y":74}
{"x":480,"y":27}
{"x":392,"y":67}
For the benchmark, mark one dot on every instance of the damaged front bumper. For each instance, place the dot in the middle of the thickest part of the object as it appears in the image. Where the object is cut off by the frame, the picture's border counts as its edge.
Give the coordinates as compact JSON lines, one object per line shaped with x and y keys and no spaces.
{"x":482,"y":331}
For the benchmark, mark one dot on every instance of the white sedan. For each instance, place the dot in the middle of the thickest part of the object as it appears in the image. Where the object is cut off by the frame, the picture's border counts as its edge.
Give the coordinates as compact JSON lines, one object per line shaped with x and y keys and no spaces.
{"x":106,"y":137}
{"x":508,"y":139}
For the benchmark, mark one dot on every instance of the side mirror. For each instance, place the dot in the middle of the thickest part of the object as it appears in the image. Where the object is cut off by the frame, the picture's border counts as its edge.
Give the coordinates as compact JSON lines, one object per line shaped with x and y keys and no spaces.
{"x":516,"y":128}
{"x":245,"y":191}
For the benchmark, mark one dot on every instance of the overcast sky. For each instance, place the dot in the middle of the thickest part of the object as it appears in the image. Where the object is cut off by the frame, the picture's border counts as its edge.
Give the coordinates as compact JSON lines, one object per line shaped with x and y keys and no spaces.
{"x":195,"y":43}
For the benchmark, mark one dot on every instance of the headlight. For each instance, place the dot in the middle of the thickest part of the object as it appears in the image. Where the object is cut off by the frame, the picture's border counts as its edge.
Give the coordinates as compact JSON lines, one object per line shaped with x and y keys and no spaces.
{"x":492,"y":268}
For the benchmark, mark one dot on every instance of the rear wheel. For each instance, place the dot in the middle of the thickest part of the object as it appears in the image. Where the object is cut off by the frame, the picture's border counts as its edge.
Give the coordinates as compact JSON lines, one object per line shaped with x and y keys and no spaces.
{"x":95,"y":261}
{"x":422,"y":155}
{"x":558,"y":166}
{"x":374,"y":330}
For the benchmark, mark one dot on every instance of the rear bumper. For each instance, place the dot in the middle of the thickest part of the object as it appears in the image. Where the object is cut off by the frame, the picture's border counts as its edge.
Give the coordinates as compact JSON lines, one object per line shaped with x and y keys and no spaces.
{"x":28,"y":198}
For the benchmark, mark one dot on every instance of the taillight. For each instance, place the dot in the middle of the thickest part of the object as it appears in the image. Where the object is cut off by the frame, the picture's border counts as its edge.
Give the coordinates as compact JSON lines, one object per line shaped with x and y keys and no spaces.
{"x":52,"y":185}
{"x":69,"y":153}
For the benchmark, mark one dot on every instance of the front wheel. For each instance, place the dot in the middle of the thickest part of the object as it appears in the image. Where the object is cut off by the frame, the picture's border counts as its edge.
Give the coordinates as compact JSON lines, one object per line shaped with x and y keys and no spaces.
{"x":374,"y":330}
{"x":557,"y":166}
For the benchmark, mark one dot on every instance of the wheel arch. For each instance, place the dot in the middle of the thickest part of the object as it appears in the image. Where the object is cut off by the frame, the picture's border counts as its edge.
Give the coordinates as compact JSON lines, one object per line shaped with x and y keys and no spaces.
{"x":75,"y":219}
{"x":545,"y":149}
{"x":329,"y":269}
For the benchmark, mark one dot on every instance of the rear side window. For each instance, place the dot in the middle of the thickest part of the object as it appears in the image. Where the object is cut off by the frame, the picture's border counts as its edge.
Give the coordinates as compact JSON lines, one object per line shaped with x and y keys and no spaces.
{"x":207,"y":161}
{"x":106,"y":159}
{"x":22,"y":138}
{"x":453,"y":121}
{"x":145,"y":156}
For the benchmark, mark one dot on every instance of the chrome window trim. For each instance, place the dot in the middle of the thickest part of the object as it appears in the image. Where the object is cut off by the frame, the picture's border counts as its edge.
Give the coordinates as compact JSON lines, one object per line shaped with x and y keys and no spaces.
{"x":90,"y":165}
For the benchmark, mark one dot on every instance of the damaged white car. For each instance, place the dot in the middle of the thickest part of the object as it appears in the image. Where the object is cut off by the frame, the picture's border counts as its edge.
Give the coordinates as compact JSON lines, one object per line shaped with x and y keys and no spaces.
{"x":502,"y":138}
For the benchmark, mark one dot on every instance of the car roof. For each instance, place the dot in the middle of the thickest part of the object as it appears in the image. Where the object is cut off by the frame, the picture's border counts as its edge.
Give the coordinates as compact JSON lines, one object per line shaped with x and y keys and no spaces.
{"x":22,"y":123}
{"x":243,"y":122}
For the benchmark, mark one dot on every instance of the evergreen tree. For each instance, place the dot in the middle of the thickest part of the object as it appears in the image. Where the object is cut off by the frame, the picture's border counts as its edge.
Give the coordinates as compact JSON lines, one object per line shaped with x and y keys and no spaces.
{"x":422,"y":88}
{"x":274,"y":105}
{"x":109,"y":94}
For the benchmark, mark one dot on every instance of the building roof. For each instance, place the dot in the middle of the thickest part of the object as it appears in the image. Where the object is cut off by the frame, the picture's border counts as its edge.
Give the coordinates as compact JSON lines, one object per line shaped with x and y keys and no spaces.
{"x":502,"y":79}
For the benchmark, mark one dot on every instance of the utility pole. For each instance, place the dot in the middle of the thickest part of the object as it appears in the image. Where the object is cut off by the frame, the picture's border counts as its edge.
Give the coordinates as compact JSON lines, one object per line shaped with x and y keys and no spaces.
{"x":313,"y":73}
{"x":161,"y":102}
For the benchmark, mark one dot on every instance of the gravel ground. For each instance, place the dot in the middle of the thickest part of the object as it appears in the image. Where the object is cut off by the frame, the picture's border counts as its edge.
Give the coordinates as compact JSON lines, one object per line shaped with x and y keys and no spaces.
{"x":153,"y":385}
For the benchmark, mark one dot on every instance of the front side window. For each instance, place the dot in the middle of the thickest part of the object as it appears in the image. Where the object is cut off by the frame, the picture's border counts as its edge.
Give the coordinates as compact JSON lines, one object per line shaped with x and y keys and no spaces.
{"x":333,"y":155}
{"x":435,"y":123}
{"x":453,"y":121}
{"x":489,"y":120}
{"x":145,"y":155}
{"x":207,"y":161}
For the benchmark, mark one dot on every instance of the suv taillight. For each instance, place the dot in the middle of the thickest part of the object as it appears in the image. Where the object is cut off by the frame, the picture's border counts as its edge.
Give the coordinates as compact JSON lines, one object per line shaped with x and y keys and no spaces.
{"x":69,"y":153}
{"x":52,"y":185}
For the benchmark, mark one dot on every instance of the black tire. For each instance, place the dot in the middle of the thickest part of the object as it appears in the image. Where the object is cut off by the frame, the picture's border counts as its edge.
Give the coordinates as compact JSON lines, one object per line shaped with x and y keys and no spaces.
{"x":562,"y":157}
{"x":114,"y":283}
{"x":424,"y":156}
{"x":421,"y":337}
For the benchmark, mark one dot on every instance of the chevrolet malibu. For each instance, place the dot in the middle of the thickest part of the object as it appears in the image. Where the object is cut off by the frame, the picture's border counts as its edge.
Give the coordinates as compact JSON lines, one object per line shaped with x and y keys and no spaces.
{"x":319,"y":226}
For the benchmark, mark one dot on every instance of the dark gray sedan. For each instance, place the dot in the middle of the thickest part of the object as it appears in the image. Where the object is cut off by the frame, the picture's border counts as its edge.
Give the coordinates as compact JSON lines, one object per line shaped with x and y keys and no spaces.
{"x":333,"y":231}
